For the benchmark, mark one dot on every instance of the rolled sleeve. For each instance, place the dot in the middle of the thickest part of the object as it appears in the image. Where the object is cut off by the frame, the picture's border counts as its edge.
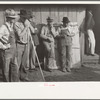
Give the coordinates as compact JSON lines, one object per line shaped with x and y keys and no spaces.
{"x":18,"y":29}
{"x":42,"y":35}
{"x":2,"y":31}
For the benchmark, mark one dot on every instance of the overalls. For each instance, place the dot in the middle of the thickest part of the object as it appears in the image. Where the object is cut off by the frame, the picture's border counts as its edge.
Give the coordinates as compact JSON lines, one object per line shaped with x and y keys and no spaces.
{"x":10,"y":66}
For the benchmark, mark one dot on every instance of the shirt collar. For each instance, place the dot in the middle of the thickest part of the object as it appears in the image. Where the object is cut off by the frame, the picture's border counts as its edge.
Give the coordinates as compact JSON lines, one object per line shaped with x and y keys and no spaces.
{"x":9,"y":26}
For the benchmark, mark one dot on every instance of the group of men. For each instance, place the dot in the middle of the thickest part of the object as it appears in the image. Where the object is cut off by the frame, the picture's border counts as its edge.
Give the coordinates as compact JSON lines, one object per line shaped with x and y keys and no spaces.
{"x":18,"y":41}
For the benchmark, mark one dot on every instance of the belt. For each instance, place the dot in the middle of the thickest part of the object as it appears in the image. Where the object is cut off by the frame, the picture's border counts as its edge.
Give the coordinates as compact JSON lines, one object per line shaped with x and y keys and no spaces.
{"x":22,"y":43}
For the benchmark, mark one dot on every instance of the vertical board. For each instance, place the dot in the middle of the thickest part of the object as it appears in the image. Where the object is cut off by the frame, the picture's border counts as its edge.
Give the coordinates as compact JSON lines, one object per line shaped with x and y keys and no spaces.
{"x":57,"y":12}
{"x":1,"y":17}
{"x":45,"y":13}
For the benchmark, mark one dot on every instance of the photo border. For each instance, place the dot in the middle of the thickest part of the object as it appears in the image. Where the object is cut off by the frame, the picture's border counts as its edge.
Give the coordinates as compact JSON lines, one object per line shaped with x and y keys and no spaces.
{"x":60,"y":90}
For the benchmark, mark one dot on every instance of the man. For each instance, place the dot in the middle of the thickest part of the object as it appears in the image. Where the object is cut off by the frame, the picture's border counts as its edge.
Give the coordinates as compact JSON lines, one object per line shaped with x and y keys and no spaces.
{"x":65,"y":45}
{"x":23,"y":30}
{"x":48,"y":33}
{"x":34,"y":36}
{"x":8,"y":48}
{"x":89,"y":28}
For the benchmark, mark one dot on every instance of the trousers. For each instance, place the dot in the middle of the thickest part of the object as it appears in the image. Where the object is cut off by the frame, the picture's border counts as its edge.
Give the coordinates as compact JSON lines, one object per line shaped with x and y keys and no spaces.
{"x":66,"y":56}
{"x":9,"y":65}
{"x":22,"y":60}
{"x":50,"y":54}
{"x":91,"y":41}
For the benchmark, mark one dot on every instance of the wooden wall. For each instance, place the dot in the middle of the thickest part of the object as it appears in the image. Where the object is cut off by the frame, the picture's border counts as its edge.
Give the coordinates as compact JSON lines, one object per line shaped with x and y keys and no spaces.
{"x":57,"y":12}
{"x":75,"y":13}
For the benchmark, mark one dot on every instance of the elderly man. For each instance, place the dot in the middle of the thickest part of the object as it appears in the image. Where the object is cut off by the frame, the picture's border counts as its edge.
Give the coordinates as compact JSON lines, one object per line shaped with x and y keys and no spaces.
{"x":8,"y":47}
{"x":23,"y":30}
{"x":48,"y":33}
{"x":65,"y":45}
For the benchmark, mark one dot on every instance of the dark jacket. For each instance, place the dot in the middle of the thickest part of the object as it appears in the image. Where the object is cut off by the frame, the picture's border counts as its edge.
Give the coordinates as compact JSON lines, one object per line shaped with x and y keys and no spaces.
{"x":89,"y":21}
{"x":35,"y":36}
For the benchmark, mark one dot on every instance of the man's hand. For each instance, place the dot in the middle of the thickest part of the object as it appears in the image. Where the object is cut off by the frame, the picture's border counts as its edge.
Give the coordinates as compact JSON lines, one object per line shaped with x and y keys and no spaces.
{"x":27,"y":23}
{"x":49,"y":39}
{"x":6,"y":46}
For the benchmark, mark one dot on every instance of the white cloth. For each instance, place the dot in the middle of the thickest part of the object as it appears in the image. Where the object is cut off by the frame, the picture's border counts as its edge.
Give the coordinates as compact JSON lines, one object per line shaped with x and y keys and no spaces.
{"x":4,"y":34}
{"x":73,"y":28}
{"x":92,"y":42}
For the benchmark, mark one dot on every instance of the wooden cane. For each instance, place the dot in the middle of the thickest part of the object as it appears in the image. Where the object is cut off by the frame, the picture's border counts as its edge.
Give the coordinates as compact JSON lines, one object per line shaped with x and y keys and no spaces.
{"x":37,"y":58}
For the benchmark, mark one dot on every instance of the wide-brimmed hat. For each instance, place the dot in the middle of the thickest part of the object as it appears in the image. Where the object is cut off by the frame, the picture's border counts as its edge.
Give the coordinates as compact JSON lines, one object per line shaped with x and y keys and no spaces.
{"x":49,"y":19}
{"x":10,"y":13}
{"x":26,"y":13}
{"x":65,"y":19}
{"x":23,"y":13}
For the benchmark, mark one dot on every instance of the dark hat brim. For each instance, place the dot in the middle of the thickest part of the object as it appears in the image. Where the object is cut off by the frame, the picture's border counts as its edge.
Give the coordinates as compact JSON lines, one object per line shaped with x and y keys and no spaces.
{"x":66,"y":21}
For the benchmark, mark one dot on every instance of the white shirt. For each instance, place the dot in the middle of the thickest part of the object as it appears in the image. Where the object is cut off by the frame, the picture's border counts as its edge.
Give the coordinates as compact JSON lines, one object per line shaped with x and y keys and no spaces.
{"x":4,"y":33}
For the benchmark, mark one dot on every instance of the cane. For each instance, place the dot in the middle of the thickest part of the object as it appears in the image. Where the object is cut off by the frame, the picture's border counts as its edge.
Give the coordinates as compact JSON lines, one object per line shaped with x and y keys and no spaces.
{"x":37,"y":58}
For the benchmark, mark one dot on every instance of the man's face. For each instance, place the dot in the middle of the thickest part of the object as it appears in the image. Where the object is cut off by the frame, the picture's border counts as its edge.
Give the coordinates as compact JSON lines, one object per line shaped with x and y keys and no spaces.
{"x":50,"y":23}
{"x":32,"y":19}
{"x":22,"y":19}
{"x":13,"y":20}
{"x":65,"y":23}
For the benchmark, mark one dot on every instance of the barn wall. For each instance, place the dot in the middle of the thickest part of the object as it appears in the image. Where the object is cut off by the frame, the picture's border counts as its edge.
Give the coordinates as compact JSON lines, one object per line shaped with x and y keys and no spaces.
{"x":57,"y":12}
{"x":75,"y":13}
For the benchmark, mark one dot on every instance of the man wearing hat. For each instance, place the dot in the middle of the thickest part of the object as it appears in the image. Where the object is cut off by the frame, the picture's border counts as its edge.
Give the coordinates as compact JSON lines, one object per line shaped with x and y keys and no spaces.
{"x":35,"y":38}
{"x":23,"y":30}
{"x":8,"y":48}
{"x":65,"y":45}
{"x":48,"y":33}
{"x":90,"y":34}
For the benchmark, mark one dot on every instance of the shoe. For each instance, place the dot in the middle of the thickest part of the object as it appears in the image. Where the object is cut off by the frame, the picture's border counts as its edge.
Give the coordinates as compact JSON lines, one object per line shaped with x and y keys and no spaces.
{"x":33,"y":69}
{"x":92,"y":54}
{"x":64,"y":70}
{"x":25,"y":79}
{"x":49,"y":70}
{"x":68,"y":70}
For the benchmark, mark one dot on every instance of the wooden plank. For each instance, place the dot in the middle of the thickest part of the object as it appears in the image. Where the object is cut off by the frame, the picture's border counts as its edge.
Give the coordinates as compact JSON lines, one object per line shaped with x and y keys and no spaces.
{"x":65,"y":11}
{"x":44,"y":14}
{"x":38,"y":15}
{"x":52,"y":14}
{"x":56,"y":14}
{"x":60,"y":14}
{"x":2,"y":18}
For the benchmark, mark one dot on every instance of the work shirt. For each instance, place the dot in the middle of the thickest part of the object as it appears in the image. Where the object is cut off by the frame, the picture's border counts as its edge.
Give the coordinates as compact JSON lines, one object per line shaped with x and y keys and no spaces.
{"x":66,"y":36}
{"x":21,"y":38}
{"x":46,"y":32}
{"x":4,"y":34}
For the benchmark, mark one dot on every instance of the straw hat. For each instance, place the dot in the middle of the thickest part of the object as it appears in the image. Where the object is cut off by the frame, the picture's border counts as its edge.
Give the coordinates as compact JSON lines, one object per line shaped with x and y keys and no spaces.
{"x":10,"y":13}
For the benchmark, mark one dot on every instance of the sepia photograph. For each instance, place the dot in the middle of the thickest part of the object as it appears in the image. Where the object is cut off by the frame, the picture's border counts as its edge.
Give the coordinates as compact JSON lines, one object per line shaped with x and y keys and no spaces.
{"x":49,"y":50}
{"x":49,"y":42}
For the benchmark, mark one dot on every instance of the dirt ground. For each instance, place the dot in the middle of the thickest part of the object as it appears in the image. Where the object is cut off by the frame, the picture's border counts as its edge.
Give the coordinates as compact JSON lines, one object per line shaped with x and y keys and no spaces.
{"x":89,"y":71}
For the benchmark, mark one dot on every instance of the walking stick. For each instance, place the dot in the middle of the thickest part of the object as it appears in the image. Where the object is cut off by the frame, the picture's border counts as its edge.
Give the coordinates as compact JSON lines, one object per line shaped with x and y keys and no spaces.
{"x":37,"y":58}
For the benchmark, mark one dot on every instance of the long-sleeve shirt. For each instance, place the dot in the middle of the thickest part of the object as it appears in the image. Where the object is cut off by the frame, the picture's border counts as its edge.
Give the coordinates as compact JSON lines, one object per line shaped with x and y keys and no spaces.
{"x":46,"y":32}
{"x":4,"y":34}
{"x":64,"y":32}
{"x":21,"y":37}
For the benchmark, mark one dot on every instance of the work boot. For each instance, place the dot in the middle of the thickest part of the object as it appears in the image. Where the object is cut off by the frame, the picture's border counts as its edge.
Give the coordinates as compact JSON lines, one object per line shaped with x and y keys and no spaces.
{"x":48,"y":69}
{"x":64,"y":70}
{"x":68,"y":69}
